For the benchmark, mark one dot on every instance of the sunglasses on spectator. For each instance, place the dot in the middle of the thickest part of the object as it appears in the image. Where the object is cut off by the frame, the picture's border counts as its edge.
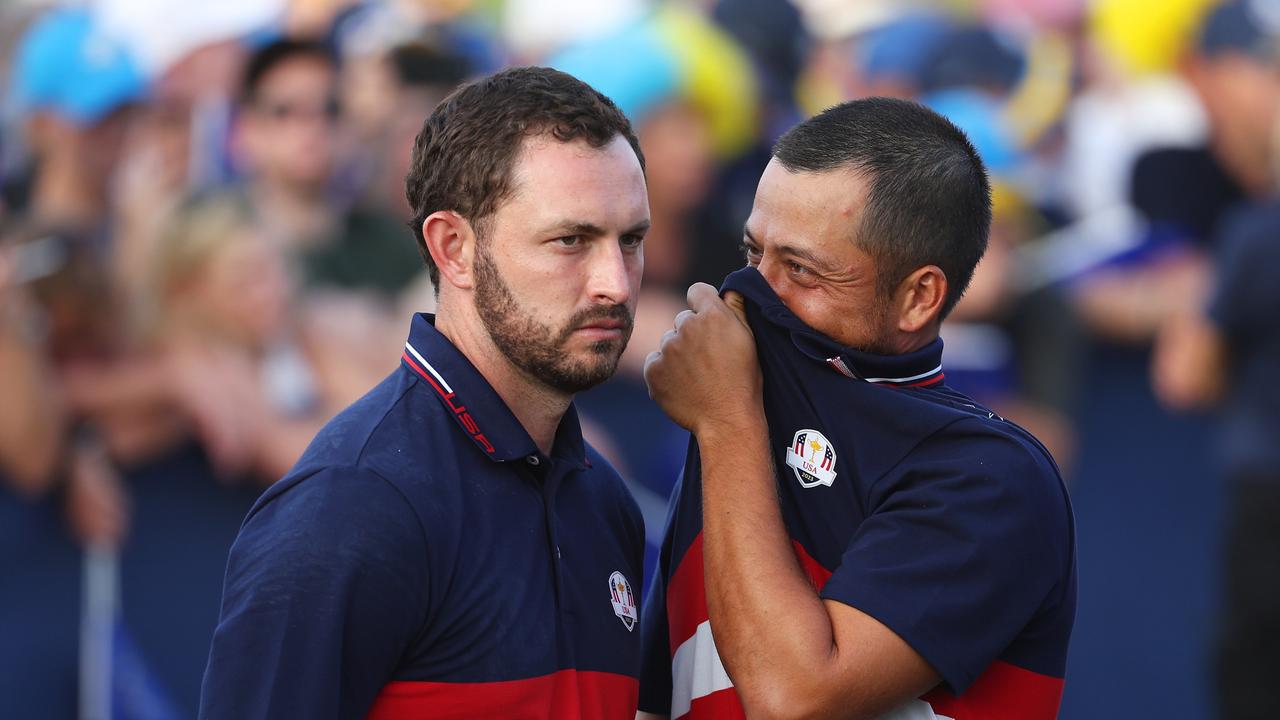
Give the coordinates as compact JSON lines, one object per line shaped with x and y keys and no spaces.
{"x":330,"y":109}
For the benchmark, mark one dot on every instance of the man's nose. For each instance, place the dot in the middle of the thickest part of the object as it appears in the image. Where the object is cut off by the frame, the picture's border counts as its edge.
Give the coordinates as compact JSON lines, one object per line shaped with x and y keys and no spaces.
{"x":611,"y":273}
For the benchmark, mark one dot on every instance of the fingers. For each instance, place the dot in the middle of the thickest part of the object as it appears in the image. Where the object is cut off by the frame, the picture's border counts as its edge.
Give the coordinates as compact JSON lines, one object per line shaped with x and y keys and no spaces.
{"x":702,"y":297}
{"x":683,"y":317}
{"x":650,"y":363}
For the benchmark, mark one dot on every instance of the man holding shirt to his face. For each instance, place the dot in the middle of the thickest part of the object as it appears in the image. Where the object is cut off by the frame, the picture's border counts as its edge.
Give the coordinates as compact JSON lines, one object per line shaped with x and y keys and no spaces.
{"x":852,"y":538}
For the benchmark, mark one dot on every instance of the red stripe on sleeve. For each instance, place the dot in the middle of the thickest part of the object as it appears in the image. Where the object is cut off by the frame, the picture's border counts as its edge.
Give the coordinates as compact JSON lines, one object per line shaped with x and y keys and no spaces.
{"x":1002,"y":692}
{"x":564,"y":695}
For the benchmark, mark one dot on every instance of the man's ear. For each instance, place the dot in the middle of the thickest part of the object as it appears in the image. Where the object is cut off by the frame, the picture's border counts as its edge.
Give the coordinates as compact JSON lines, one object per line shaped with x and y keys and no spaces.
{"x":920,"y":297}
{"x":451,"y":240}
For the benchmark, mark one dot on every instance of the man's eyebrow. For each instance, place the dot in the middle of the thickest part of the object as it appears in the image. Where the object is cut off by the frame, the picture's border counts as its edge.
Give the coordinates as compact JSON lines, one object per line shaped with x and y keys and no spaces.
{"x":801,"y":253}
{"x":588,"y":229}
{"x":818,"y":263}
{"x":639,"y":228}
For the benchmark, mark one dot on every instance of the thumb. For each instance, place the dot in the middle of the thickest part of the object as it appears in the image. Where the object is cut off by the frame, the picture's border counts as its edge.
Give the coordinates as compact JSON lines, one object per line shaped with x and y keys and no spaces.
{"x":737,"y":304}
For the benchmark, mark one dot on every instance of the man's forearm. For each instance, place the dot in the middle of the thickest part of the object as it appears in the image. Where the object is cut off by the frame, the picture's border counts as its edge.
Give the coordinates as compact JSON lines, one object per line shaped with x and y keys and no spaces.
{"x":771,"y":629}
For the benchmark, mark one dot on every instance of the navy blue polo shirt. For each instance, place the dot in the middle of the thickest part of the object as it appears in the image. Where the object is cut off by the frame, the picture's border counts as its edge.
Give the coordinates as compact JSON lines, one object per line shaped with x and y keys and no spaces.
{"x":424,"y":559}
{"x":904,"y":499}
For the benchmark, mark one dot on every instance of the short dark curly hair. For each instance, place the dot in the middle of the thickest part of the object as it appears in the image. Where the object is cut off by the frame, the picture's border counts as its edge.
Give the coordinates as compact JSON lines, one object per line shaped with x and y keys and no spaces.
{"x":464,"y":154}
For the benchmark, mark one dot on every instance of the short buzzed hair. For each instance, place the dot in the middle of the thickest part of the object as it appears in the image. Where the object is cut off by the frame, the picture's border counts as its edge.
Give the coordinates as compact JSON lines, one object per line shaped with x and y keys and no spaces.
{"x":929,"y":200}
{"x":464,"y":155}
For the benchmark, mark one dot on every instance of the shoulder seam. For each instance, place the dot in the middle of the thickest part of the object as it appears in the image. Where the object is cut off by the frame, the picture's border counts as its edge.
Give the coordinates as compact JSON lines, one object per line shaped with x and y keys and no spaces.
{"x":871,"y":489}
{"x":1030,"y":452}
{"x":390,"y":406}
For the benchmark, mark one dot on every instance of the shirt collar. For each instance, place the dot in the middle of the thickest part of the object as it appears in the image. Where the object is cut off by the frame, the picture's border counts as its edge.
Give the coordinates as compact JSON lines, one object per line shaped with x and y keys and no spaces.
{"x":919,"y":368}
{"x":475,"y":406}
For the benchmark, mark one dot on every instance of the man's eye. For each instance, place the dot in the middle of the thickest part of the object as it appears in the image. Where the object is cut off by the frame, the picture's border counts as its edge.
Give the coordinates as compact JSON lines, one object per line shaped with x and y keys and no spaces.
{"x":632,"y":241}
{"x":797,"y":268}
{"x":570,"y":240}
{"x":752,"y":254}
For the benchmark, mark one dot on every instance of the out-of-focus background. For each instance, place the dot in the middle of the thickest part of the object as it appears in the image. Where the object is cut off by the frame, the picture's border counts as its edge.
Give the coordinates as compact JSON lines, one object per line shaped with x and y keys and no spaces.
{"x":203,"y":257}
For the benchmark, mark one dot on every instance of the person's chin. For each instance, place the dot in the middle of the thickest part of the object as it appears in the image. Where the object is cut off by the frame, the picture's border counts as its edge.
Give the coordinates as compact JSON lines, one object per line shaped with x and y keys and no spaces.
{"x":598,"y":361}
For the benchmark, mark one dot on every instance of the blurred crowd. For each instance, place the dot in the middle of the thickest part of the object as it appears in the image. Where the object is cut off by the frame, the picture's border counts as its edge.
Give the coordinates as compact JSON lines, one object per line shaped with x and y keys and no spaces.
{"x":203,"y":255}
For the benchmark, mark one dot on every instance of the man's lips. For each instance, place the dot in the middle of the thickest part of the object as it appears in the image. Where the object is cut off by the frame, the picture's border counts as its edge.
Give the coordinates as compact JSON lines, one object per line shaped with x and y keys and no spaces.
{"x":603,"y":329}
{"x":604,"y":325}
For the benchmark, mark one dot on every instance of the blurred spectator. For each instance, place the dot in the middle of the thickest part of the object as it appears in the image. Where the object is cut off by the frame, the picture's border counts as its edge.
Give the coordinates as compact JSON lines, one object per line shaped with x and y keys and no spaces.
{"x":178,"y":145}
{"x":75,"y":87}
{"x":287,"y":134}
{"x":257,"y":370}
{"x":1231,"y":354}
{"x":31,"y":421}
{"x":1184,"y":193}
{"x":892,"y":59}
{"x":973,"y":56}
{"x":396,"y":89}
{"x":772,"y":34}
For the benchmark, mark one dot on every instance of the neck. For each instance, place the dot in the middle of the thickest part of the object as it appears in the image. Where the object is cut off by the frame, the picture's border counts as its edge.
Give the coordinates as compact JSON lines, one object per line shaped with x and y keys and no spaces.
{"x":539,"y":409}
{"x":906,"y":343}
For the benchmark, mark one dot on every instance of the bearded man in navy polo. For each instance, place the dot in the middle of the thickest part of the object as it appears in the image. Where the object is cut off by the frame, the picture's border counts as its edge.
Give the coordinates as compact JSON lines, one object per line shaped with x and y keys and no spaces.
{"x":449,"y":546}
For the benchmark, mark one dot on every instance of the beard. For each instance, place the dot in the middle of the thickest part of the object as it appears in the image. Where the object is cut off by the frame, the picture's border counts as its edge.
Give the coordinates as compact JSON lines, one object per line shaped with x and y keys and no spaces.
{"x":541,"y":351}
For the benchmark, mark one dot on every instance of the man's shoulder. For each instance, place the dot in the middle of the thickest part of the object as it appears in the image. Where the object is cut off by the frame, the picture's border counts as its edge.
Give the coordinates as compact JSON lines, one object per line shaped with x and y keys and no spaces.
{"x":983,"y":459}
{"x":978,"y":441}
{"x":387,"y":436}
{"x":996,"y":444}
{"x":388,"y":431}
{"x":330,"y":519}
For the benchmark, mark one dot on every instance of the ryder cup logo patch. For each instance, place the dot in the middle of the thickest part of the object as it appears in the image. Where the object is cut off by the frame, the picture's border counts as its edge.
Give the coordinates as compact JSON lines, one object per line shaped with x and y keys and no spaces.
{"x":624,"y":603}
{"x":812,"y":458}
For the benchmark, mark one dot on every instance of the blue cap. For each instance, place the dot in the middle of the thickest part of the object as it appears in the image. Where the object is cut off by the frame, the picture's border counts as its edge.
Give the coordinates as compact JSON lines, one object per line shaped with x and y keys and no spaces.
{"x":973,"y":56}
{"x":980,"y":117}
{"x":66,"y":64}
{"x":1238,"y":27}
{"x":900,"y":49}
{"x":634,"y":67}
